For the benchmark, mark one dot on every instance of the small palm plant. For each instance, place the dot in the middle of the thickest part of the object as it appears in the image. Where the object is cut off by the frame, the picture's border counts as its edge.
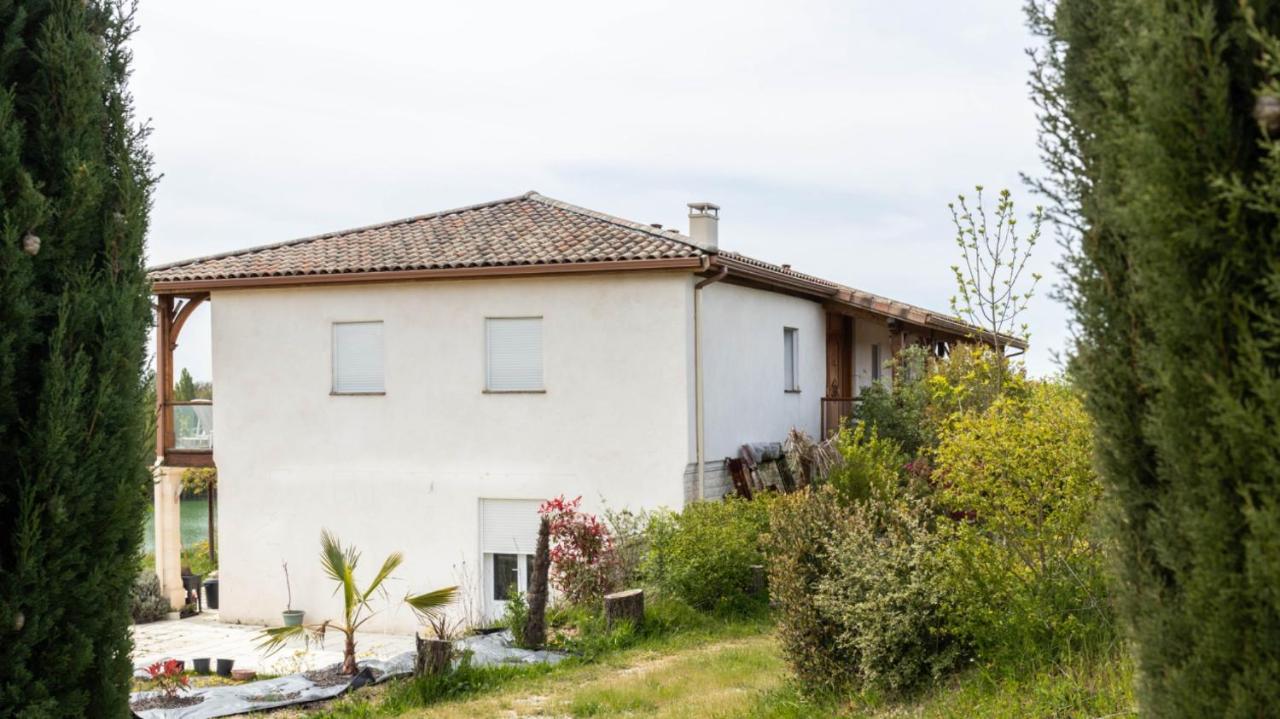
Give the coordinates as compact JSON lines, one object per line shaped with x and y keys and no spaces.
{"x":340,"y":564}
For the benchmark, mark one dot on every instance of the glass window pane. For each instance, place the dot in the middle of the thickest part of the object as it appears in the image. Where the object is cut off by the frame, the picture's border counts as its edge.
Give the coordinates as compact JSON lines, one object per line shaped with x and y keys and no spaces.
{"x":506,"y":573}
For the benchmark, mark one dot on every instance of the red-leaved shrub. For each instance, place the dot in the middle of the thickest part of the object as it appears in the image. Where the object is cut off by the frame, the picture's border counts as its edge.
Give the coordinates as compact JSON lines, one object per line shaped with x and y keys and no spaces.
{"x":583,"y":555}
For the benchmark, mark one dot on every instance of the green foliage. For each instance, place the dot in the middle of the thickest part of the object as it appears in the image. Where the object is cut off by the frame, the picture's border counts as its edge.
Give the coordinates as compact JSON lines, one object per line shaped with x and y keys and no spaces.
{"x":196,"y":558}
{"x":199,"y":480}
{"x":884,"y":592}
{"x":76,"y":183}
{"x":797,"y":551}
{"x":1159,"y":129}
{"x":704,"y":554}
{"x":898,"y":413}
{"x":1023,"y":572}
{"x":146,"y":603}
{"x":868,"y":464}
{"x":515,"y":616}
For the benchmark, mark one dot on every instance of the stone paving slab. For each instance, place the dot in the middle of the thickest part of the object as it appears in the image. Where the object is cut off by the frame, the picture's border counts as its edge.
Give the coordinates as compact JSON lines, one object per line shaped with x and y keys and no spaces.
{"x":204,"y":636}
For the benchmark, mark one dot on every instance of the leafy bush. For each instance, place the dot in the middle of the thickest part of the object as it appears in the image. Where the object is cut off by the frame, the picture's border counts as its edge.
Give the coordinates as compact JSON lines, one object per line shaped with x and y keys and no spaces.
{"x":704,"y":555}
{"x":515,"y":616}
{"x":583,"y":557}
{"x":796,"y":547}
{"x":196,"y":559}
{"x":146,"y":602}
{"x":1022,"y":574}
{"x":899,"y":413}
{"x":883,"y":591}
{"x":867,"y":464}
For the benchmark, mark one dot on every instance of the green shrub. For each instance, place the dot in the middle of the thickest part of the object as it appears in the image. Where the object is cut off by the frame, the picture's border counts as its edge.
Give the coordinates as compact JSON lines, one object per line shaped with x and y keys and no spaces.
{"x":796,"y":547}
{"x":883,"y":592}
{"x":146,"y":602}
{"x":868,"y":463}
{"x":899,"y":412}
{"x":1023,"y":576}
{"x":515,"y":616}
{"x":704,"y":555}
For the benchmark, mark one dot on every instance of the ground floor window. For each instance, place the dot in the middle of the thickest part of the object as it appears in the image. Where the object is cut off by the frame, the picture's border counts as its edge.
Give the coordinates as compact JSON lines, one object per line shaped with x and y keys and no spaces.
{"x":508,"y":573}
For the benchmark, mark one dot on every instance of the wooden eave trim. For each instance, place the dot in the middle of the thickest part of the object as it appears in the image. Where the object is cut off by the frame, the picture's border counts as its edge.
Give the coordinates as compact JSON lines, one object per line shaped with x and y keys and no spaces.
{"x":170,"y":287}
{"x":774,"y":280}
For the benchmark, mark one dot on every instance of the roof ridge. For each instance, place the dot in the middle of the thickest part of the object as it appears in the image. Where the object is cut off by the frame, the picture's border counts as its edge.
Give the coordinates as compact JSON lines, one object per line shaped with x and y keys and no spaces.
{"x":338,"y":233}
{"x":676,"y":236}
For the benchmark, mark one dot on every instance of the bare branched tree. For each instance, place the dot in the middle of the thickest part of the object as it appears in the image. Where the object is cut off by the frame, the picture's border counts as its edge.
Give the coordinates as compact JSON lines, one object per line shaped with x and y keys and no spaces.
{"x":992,"y":289}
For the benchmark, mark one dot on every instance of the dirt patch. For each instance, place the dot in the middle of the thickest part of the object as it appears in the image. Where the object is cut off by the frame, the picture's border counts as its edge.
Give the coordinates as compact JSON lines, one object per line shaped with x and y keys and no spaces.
{"x":164,"y":702}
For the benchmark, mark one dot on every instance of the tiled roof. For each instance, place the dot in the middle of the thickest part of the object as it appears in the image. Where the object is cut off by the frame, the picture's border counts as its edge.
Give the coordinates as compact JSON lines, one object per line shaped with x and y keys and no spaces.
{"x":526,"y":230}
{"x":530,"y":230}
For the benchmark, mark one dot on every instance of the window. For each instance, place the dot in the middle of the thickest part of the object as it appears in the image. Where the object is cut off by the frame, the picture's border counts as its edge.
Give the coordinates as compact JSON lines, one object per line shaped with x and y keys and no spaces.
{"x":357,"y":358}
{"x":790,"y":359}
{"x":875,"y":363}
{"x":514,"y":354}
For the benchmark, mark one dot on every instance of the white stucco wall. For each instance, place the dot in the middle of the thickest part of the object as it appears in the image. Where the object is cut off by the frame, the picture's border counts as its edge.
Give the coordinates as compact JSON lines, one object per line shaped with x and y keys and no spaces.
{"x":744,"y":392}
{"x":406,"y":471}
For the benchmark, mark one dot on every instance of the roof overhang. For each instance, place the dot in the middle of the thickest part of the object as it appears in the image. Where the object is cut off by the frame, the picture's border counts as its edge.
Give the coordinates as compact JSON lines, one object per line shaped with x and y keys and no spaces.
{"x":175,"y":287}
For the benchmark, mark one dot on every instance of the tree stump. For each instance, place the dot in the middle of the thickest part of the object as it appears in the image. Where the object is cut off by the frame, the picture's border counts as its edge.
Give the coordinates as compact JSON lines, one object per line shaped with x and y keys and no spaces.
{"x":433,"y":656}
{"x":624,"y":606}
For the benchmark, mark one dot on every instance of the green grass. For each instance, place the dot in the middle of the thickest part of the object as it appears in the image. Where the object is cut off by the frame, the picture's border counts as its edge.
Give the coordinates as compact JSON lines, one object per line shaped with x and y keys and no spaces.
{"x":1081,"y":687}
{"x":687,"y":664}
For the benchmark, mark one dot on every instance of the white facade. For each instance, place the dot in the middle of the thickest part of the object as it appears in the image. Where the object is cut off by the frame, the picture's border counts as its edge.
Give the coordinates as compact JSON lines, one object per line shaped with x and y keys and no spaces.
{"x":407,"y":470}
{"x":439,"y":463}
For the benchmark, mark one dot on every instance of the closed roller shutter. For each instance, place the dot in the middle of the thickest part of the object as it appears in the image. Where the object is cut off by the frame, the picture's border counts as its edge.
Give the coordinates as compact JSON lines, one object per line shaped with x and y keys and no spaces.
{"x":509,"y":526}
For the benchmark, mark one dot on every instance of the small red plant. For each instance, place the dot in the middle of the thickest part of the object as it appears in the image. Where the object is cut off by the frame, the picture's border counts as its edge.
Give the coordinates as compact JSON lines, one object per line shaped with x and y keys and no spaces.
{"x":168,"y":677}
{"x":583,"y":556}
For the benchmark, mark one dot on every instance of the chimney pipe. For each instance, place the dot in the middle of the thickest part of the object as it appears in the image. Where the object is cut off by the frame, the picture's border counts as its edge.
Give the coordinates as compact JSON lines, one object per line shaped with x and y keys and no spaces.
{"x":704,"y":220}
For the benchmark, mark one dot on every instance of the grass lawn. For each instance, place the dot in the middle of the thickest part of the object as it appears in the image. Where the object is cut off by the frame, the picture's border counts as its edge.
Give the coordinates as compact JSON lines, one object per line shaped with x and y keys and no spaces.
{"x":737,"y":672}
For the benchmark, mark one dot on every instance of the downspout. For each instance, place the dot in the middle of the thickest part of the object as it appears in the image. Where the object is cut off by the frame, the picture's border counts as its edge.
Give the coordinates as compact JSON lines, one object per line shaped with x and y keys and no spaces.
{"x":699,"y":415}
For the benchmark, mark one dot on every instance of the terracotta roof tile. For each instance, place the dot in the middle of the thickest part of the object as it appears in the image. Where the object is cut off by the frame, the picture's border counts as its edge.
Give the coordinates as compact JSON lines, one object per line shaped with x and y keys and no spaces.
{"x":527,"y":230}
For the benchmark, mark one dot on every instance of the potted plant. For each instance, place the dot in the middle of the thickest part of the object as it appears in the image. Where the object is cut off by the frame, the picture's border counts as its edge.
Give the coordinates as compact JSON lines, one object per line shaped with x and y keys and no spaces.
{"x":224,"y":667}
{"x":200,"y":665}
{"x":292,"y":617}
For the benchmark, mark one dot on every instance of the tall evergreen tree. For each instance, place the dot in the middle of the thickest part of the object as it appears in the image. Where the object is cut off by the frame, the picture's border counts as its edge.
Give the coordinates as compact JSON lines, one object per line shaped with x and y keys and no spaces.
{"x":75,"y":188}
{"x":184,"y":390}
{"x":1164,"y":162}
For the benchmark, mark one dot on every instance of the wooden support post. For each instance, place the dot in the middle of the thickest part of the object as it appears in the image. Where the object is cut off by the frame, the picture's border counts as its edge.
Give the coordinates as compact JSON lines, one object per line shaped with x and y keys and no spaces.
{"x":433,"y":657}
{"x":624,"y":606}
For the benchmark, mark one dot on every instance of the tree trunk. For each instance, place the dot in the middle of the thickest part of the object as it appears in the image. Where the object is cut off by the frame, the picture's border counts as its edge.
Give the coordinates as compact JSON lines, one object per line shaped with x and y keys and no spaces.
{"x":624,"y":606}
{"x":349,"y":656}
{"x":535,"y":626}
{"x":433,"y":656}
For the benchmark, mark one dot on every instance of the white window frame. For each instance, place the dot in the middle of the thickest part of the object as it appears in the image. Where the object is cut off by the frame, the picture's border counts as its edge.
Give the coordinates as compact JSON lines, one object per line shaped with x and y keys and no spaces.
{"x":791,"y":354}
{"x":334,"y":388}
{"x":489,"y":388}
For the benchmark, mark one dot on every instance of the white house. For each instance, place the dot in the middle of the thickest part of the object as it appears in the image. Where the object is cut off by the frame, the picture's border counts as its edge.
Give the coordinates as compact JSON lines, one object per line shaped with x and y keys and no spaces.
{"x":422,"y":385}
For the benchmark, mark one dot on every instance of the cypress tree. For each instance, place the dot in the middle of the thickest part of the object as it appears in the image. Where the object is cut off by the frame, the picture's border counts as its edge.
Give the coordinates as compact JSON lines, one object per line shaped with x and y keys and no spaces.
{"x":75,"y":188}
{"x":1165,"y":175}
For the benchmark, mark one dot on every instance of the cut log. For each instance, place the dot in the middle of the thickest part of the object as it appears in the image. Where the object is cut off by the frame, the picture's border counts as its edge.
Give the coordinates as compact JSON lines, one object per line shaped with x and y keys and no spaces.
{"x":433,"y":656}
{"x":624,"y":606}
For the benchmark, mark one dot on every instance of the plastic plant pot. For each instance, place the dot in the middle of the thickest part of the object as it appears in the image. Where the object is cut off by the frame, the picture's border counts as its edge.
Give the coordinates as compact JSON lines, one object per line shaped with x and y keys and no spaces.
{"x":200,"y":665}
{"x":224,"y":667}
{"x":211,"y":593}
{"x":292,"y":617}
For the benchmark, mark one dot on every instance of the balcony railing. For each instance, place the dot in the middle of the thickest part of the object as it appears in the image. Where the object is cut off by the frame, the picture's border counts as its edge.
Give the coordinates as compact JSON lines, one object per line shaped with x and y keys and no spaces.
{"x":192,"y":424}
{"x":834,"y":411}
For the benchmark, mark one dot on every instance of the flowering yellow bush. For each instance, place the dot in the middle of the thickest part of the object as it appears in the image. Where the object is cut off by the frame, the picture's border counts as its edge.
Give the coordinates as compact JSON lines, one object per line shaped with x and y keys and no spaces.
{"x":1018,"y":486}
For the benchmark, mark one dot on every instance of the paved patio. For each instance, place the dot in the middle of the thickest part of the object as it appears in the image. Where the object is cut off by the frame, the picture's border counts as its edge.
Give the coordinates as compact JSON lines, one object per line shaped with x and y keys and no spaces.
{"x":204,"y":636}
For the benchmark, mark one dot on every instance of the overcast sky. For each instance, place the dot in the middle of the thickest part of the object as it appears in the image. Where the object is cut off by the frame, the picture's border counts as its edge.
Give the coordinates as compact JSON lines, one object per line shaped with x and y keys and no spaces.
{"x":832,"y":134}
